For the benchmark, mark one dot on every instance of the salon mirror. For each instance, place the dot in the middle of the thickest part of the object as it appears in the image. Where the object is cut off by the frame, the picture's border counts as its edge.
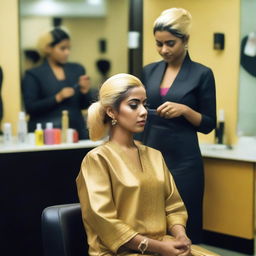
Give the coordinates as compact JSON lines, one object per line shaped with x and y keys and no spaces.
{"x":247,"y":88}
{"x":98,"y":31}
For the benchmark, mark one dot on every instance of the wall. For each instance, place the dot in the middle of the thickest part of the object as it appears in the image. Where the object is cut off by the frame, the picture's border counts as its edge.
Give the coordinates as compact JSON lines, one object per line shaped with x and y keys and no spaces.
{"x":9,"y":60}
{"x":208,"y":17}
{"x":87,"y":32}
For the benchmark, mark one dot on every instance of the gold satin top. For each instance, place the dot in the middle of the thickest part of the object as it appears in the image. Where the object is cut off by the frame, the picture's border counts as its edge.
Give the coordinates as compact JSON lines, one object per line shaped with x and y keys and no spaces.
{"x":119,"y":201}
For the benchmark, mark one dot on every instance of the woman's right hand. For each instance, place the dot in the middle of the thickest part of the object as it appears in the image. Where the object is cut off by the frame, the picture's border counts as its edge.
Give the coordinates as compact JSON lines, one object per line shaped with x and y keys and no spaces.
{"x":65,"y":93}
{"x":174,"y":248}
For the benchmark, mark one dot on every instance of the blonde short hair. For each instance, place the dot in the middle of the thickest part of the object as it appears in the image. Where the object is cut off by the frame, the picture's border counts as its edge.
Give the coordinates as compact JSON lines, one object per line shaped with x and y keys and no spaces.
{"x":175,"y":20}
{"x":112,"y":92}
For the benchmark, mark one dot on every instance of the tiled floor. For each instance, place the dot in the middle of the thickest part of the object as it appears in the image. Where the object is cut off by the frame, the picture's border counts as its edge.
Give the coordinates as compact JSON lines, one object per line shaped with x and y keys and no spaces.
{"x":223,"y":252}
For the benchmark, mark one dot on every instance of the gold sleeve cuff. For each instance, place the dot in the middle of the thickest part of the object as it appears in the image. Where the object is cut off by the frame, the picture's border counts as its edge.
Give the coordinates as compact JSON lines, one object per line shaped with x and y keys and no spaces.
{"x":178,"y":219}
{"x":122,"y":239}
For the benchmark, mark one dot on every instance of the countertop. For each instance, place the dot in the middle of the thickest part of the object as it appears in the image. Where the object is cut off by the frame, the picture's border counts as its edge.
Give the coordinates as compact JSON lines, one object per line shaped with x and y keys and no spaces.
{"x":17,"y":148}
{"x":245,"y":150}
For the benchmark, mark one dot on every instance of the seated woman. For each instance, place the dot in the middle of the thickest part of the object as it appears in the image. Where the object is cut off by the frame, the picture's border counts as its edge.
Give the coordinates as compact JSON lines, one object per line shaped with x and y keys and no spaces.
{"x":56,"y":85}
{"x":128,"y":197}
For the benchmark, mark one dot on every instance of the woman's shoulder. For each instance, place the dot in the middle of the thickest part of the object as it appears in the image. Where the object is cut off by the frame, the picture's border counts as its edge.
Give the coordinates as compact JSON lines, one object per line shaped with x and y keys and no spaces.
{"x":98,"y":151}
{"x":201,"y":67}
{"x":37,"y":70}
{"x":74,"y":66}
{"x":153,"y":65}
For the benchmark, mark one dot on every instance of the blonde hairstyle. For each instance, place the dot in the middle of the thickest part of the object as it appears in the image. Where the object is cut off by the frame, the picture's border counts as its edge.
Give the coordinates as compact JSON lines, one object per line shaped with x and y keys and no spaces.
{"x":175,"y":20}
{"x":51,"y":38}
{"x":113,"y":91}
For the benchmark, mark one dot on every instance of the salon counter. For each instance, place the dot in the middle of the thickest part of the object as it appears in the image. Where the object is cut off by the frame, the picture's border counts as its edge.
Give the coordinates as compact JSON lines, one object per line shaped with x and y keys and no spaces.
{"x":32,"y":178}
{"x":19,"y":148}
{"x":229,"y":199}
{"x":246,"y":153}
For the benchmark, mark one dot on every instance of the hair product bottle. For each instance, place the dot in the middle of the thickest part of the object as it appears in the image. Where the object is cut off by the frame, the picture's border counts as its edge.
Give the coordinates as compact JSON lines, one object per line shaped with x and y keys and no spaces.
{"x":7,"y":134}
{"x":64,"y":125}
{"x":75,"y":136}
{"x":219,"y":131}
{"x":39,"y":135}
{"x":49,"y":134}
{"x":22,"y":130}
{"x":70,"y":134}
{"x":57,"y":136}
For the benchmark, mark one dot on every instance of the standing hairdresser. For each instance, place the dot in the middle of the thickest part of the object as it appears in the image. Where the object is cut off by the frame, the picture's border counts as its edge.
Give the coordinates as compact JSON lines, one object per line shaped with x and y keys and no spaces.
{"x":183,"y":93}
{"x":56,"y":85}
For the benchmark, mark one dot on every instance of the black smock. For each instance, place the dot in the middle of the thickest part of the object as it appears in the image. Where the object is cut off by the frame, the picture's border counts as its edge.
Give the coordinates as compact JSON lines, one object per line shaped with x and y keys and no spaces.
{"x":176,"y":138}
{"x":40,"y":86}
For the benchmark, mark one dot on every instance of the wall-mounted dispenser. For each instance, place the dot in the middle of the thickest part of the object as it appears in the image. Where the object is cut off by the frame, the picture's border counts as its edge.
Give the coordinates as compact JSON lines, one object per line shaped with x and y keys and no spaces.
{"x":218,"y":41}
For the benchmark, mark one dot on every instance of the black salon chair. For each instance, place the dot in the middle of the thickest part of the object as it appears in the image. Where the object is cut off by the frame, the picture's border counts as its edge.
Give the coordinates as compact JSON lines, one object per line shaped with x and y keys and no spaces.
{"x":63,"y":232}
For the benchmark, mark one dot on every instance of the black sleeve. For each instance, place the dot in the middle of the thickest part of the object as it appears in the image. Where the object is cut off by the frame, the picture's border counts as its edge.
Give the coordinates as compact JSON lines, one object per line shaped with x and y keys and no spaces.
{"x":85,"y":99}
{"x":34,"y":104}
{"x":207,"y":103}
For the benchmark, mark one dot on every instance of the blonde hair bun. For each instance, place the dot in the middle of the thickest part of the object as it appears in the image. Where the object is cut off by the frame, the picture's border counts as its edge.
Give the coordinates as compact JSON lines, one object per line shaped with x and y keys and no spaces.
{"x":177,"y":19}
{"x":95,"y":121}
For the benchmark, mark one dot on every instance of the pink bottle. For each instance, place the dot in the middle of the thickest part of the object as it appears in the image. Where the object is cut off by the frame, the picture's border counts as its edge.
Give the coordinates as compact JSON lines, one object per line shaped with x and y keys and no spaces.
{"x":49,"y":134}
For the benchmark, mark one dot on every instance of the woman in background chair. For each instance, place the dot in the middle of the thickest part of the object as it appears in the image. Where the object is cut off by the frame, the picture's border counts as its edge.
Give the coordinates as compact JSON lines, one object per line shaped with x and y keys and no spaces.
{"x":56,"y":85}
{"x":182,"y":92}
{"x":130,"y":204}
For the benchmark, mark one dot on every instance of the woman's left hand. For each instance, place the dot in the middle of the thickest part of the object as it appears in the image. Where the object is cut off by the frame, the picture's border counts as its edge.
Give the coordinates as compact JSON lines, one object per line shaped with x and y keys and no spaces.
{"x":171,"y":109}
{"x":84,"y":83}
{"x":184,"y":239}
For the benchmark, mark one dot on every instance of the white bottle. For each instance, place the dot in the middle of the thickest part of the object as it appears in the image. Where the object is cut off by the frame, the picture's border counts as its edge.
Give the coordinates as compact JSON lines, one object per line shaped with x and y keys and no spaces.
{"x":7,"y":134}
{"x":22,"y":130}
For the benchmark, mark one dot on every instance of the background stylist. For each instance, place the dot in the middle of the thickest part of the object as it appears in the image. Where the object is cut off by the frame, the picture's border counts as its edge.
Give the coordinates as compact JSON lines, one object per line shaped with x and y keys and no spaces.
{"x":56,"y":85}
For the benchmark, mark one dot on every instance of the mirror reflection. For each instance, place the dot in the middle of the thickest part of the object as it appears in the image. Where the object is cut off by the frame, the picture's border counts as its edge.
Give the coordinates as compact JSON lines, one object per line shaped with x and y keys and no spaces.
{"x":92,"y":27}
{"x":247,"y":90}
{"x":52,"y":45}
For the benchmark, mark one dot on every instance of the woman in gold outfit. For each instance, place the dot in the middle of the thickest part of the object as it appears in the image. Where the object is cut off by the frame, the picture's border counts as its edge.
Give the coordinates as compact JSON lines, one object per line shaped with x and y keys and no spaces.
{"x":130,"y":204}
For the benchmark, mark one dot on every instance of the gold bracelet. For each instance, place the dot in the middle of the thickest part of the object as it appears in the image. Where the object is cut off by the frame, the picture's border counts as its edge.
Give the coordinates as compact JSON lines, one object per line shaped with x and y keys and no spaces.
{"x":143,"y":246}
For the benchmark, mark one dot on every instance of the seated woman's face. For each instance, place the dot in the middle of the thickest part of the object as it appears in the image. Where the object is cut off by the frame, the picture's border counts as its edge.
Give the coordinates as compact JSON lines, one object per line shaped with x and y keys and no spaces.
{"x":60,"y":52}
{"x":132,"y":114}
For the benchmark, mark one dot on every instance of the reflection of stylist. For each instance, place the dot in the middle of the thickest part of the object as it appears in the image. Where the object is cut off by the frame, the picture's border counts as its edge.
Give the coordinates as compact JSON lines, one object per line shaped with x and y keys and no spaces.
{"x":56,"y":85}
{"x":183,"y":92}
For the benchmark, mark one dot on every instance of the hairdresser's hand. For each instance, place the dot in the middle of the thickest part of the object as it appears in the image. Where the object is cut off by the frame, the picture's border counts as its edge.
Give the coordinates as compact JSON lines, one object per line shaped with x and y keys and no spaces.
{"x":174,"y":248}
{"x":171,"y":109}
{"x":65,"y":93}
{"x":84,"y":83}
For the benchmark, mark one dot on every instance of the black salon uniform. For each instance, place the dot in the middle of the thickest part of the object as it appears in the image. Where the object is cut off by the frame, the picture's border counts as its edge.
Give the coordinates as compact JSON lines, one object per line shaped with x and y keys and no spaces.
{"x":40,"y":86}
{"x":176,"y":138}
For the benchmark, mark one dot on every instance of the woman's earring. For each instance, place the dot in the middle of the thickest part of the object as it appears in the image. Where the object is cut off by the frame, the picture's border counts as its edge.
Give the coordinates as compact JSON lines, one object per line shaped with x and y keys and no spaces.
{"x":186,"y":46}
{"x":113,"y":122}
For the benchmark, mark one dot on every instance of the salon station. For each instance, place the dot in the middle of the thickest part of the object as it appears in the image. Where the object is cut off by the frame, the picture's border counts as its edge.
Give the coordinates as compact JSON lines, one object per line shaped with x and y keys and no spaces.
{"x":116,"y":37}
